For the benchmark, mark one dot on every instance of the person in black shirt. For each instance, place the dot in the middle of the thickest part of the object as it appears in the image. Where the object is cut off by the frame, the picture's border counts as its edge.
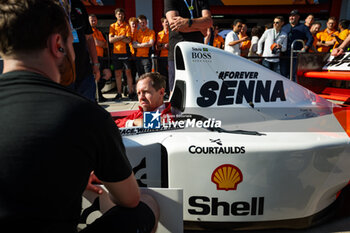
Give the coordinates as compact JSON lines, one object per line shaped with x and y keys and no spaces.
{"x":87,"y":64}
{"x":50,"y":134}
{"x":188,"y":21}
{"x":294,"y":31}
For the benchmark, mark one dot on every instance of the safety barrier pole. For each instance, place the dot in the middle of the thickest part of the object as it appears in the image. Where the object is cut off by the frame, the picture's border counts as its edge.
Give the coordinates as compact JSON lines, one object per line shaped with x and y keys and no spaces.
{"x":154,"y":63}
{"x":291,"y":56}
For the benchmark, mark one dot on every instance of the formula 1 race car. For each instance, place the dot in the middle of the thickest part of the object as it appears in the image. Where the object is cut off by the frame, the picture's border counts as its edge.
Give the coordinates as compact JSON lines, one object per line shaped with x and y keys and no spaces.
{"x":250,"y":149}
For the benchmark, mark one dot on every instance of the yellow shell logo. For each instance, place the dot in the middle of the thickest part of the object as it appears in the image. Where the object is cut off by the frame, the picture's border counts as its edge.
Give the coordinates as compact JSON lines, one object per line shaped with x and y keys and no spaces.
{"x":227,"y":177}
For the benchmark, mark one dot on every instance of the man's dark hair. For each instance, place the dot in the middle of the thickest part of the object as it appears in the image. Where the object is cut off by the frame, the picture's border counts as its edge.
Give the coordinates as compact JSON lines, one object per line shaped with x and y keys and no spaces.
{"x":119,"y":10}
{"x":237,"y":21}
{"x":142,"y":17}
{"x":92,"y":15}
{"x":25,"y":25}
{"x":280,"y":18}
{"x":256,"y":31}
{"x":344,"y":23}
{"x":158,"y":81}
{"x":317,"y":22}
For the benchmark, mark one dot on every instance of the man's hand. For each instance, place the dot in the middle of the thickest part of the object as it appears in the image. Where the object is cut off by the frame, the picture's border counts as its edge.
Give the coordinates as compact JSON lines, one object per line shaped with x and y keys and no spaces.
{"x":178,"y":23}
{"x":304,"y":49}
{"x":96,"y":71}
{"x":245,"y":38}
{"x":93,"y":179}
{"x":100,"y":43}
{"x":138,"y":122}
{"x":337,"y":52}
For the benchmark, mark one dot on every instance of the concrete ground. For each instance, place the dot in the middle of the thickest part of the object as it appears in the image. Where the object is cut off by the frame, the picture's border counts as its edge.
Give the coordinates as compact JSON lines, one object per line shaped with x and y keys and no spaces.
{"x":334,"y":226}
{"x":109,"y":92}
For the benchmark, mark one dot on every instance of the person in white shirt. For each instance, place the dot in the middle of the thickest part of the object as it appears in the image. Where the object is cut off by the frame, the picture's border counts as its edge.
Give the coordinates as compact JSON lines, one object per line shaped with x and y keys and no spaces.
{"x":232,"y":42}
{"x":256,"y":33}
{"x":279,"y":39}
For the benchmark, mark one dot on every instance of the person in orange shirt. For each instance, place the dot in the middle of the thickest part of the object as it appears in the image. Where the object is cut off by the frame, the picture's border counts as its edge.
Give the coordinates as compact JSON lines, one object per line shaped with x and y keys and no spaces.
{"x":162,"y":47}
{"x":120,"y":36}
{"x":245,"y":45}
{"x":326,"y":39}
{"x":133,"y":23}
{"x":218,"y":42}
{"x":344,"y":32}
{"x":101,"y":44}
{"x":143,"y":41}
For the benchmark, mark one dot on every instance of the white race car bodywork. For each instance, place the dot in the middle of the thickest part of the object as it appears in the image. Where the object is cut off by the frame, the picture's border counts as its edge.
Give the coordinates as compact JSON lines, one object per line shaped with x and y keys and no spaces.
{"x":280,"y":153}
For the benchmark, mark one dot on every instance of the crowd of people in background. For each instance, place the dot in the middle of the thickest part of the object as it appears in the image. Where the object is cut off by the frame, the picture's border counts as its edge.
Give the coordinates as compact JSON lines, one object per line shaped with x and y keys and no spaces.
{"x":134,"y":44}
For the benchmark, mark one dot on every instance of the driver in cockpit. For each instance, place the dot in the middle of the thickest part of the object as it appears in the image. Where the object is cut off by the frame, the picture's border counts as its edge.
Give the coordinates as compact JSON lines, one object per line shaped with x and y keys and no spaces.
{"x":150,"y":89}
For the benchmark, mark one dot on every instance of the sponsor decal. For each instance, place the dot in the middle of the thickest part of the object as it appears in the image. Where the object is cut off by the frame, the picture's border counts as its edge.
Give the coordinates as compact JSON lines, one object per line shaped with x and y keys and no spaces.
{"x":140,"y":130}
{"x":217,"y":141}
{"x":90,"y":210}
{"x":216,"y":149}
{"x":237,"y":75}
{"x":139,"y":172}
{"x":234,"y":92}
{"x":212,"y":206}
{"x":342,"y":60}
{"x":151,"y":120}
{"x":226,"y":177}
{"x":201,"y":55}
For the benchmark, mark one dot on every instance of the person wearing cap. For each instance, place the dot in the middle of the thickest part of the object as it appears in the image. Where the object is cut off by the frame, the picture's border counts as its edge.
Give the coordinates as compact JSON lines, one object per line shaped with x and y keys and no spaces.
{"x":295,"y":31}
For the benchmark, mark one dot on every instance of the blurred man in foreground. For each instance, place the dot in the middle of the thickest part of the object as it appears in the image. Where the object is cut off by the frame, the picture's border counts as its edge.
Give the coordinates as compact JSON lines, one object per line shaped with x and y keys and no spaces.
{"x":53,"y":136}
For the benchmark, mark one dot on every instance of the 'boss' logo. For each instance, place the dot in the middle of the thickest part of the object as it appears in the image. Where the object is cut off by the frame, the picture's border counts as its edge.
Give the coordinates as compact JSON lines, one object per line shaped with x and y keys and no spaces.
{"x":200,"y":55}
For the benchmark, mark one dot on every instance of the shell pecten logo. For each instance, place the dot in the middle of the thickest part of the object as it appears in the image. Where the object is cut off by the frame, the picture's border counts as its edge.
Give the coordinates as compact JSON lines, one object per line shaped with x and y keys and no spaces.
{"x":227,"y":177}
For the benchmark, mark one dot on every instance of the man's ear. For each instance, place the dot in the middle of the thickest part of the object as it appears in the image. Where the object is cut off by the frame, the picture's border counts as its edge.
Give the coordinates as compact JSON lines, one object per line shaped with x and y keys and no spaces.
{"x":55,"y":45}
{"x":161,"y":91}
